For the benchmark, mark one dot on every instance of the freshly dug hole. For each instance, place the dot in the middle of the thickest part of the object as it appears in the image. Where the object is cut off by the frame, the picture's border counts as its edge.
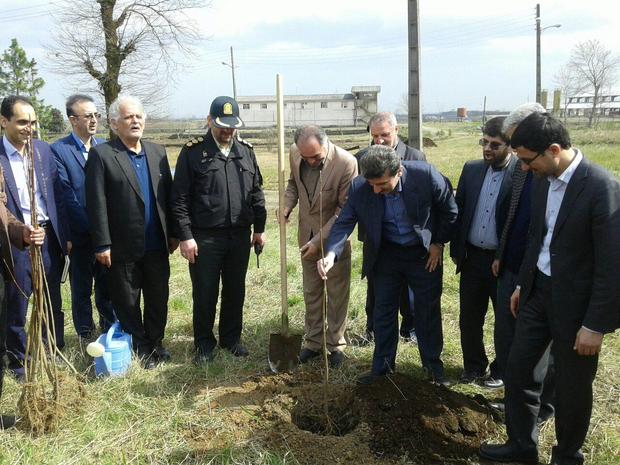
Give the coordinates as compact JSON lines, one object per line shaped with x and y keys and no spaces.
{"x":331,"y":412}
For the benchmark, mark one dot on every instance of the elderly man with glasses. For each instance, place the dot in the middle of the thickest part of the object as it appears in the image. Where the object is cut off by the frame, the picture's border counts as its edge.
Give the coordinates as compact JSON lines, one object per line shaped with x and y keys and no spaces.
{"x":71,"y":153}
{"x":483,"y":197}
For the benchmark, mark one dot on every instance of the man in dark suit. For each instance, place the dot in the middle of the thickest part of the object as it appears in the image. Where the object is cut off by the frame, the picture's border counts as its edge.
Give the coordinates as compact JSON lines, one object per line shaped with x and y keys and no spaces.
{"x":408,"y":212}
{"x":18,"y":120}
{"x":128,"y":183}
{"x":568,"y":292}
{"x":71,"y":153}
{"x":482,"y":196}
{"x":11,"y":232}
{"x":383,"y":128}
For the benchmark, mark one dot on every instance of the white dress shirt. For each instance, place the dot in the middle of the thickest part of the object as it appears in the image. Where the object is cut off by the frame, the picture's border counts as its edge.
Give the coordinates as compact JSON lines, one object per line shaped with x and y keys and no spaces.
{"x":557,"y":189}
{"x":18,"y":168}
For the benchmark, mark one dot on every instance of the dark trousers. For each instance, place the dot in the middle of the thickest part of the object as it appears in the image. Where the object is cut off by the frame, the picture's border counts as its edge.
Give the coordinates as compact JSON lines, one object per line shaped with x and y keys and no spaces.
{"x":537,"y":326}
{"x":477,"y":286}
{"x":503,"y":334}
{"x":406,"y":307}
{"x":395,"y":264}
{"x":85,"y":269}
{"x":221,"y":254}
{"x":126,"y":282}
{"x":17,"y":302}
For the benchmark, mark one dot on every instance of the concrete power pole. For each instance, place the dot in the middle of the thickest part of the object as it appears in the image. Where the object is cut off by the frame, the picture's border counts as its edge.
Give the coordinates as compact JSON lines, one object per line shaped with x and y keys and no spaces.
{"x":232,"y":67}
{"x":415,"y":115}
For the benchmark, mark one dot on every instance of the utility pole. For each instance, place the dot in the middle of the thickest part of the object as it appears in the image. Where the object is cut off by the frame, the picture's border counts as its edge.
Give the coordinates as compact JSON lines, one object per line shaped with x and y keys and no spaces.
{"x":415,"y":116}
{"x":231,"y":65}
{"x":539,"y":31}
{"x":538,"y":52}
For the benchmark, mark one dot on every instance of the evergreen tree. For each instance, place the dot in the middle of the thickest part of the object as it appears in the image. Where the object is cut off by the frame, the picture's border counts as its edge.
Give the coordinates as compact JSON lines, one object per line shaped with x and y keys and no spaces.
{"x":20,"y":76}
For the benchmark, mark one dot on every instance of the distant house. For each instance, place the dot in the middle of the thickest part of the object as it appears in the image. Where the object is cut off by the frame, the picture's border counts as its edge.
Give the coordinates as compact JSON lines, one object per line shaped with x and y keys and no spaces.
{"x":353,"y":109}
{"x":581,"y":105}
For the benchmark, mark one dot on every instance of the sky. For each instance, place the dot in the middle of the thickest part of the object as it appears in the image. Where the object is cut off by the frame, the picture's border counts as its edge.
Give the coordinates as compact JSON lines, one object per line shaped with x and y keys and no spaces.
{"x":470,"y":49}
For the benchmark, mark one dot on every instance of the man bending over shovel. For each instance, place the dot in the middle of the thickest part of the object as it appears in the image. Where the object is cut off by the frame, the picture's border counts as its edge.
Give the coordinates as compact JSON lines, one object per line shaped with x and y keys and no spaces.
{"x":321,"y":174}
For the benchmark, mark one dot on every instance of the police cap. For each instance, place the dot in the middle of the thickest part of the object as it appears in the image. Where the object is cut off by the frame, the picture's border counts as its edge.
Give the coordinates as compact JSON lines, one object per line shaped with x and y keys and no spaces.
{"x":224,"y":113}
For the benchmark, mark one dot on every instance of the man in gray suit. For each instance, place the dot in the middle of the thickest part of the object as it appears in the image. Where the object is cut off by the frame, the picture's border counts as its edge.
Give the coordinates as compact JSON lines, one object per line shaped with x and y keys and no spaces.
{"x":568,"y":292}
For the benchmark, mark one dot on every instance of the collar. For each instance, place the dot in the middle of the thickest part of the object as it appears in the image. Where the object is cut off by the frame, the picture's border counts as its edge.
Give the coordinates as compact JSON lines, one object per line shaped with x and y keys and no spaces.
{"x":80,"y":143}
{"x":567,"y":174}
{"x":9,"y":148}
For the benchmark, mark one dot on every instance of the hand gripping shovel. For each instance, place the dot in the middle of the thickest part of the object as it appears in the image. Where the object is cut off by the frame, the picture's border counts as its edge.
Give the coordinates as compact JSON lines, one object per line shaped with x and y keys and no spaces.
{"x":283,"y":347}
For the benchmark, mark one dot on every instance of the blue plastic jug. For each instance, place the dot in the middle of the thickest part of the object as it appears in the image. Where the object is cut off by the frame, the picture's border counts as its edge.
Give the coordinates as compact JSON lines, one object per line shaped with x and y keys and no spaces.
{"x":117,"y":356}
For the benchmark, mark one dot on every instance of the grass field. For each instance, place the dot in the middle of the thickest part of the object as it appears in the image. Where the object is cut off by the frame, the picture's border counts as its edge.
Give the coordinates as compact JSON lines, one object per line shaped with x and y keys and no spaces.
{"x":168,"y":415}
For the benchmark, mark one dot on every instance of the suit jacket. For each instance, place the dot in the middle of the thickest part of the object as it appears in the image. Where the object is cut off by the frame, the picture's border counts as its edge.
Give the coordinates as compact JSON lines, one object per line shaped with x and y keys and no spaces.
{"x":114,"y":201}
{"x":72,"y":174}
{"x":467,"y":193}
{"x":585,"y":251}
{"x":405,"y":152}
{"x":428,"y":200}
{"x":49,"y":184}
{"x":339,"y":169}
{"x":11,"y":230}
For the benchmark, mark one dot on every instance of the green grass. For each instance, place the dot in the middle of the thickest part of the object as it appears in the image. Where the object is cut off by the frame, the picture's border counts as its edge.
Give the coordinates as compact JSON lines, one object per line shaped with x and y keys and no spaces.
{"x":165,"y":416}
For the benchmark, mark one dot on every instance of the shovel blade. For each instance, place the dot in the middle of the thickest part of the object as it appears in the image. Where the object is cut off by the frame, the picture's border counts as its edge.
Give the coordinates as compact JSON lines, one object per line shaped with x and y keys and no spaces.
{"x":284,"y":352}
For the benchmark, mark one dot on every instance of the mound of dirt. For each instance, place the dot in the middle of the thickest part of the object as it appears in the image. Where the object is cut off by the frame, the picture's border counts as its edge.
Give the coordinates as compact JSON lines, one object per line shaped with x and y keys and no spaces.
{"x":398,"y":419}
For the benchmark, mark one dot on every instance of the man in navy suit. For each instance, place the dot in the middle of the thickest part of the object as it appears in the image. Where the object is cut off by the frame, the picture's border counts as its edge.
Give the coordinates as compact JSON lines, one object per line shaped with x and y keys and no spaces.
{"x":483,"y":197}
{"x":567,"y":292}
{"x":71,"y":154}
{"x":18,"y":120}
{"x":408,"y":212}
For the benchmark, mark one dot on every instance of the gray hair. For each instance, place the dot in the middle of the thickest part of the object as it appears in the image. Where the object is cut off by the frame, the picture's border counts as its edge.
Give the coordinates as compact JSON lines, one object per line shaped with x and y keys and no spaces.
{"x":378,"y":160}
{"x":383,"y":117}
{"x":519,"y":114}
{"x":114,"y":112}
{"x":309,"y":131}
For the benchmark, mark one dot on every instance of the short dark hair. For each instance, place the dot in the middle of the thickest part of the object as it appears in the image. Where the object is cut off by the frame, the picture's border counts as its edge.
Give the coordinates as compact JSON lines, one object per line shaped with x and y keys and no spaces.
{"x":379,"y":160}
{"x":493,"y":128}
{"x":8,"y":103}
{"x":76,"y":98}
{"x":538,"y":131}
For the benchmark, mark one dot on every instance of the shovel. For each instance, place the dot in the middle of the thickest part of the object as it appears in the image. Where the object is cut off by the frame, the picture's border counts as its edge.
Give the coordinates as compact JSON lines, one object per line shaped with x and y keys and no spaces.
{"x":283,"y":347}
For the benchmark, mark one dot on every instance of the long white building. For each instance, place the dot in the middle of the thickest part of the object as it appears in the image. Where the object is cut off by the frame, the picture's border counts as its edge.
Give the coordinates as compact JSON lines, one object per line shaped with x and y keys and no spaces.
{"x":581,"y":105}
{"x":353,"y":109}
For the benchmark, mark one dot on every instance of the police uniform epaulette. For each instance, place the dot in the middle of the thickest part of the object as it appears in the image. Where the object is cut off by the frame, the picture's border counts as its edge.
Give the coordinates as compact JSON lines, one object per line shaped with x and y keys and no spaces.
{"x":244,"y":142}
{"x":194,"y":141}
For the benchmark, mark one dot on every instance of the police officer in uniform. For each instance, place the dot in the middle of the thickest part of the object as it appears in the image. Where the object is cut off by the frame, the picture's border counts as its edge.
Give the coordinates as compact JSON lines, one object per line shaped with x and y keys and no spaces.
{"x":219,"y":207}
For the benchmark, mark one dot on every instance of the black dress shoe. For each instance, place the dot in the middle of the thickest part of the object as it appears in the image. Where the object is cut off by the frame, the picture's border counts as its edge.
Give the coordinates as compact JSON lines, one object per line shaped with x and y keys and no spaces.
{"x":238,"y":350}
{"x":307,"y":354}
{"x":150,"y":362}
{"x":436,"y":378}
{"x":368,"y":378}
{"x":6,"y":422}
{"x":508,"y":452}
{"x":162,"y":354}
{"x":335,"y":359}
{"x":203,"y":355}
{"x":469,"y":377}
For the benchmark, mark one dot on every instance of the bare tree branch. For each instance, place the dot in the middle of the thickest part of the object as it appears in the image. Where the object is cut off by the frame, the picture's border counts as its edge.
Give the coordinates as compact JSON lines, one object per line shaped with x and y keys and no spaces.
{"x":129,"y":45}
{"x":596,"y":66}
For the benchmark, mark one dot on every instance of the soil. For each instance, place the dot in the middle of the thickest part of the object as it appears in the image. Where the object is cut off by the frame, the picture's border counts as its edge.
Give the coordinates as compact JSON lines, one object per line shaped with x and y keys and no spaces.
{"x":399,"y":419}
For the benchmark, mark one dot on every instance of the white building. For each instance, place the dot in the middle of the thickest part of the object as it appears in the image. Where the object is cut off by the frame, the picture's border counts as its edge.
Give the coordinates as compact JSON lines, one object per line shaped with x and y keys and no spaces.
{"x":351,"y":109}
{"x":581,"y":105}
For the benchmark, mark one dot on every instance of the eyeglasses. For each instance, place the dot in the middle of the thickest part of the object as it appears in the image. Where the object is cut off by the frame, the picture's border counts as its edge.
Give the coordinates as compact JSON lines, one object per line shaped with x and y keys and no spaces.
{"x":492,"y":145}
{"x":529,"y":161}
{"x":88,"y":116}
